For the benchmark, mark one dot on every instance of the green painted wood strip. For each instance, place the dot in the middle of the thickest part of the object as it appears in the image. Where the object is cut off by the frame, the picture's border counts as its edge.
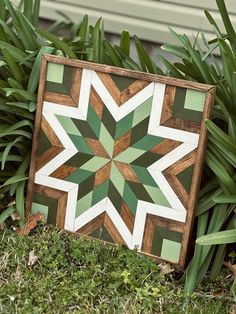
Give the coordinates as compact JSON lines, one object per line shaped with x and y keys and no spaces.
{"x":39,"y":208}
{"x":55,"y":73}
{"x":194,"y":100}
{"x":170,"y":250}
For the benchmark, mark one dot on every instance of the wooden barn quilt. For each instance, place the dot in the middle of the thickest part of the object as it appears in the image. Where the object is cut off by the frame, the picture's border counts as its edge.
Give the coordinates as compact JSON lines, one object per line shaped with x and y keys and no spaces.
{"x":117,"y":154}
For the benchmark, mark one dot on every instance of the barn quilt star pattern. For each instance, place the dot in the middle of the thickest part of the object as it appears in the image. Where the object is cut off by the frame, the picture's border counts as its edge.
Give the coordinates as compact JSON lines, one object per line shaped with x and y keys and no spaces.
{"x":115,"y":156}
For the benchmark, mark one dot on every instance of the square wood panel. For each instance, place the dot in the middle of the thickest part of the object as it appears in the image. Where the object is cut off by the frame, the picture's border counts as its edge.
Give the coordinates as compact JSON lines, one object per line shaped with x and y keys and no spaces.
{"x":117,"y":154}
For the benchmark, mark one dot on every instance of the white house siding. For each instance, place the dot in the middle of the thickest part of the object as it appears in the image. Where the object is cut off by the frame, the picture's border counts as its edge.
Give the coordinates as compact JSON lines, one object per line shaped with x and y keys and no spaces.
{"x":149,"y":19}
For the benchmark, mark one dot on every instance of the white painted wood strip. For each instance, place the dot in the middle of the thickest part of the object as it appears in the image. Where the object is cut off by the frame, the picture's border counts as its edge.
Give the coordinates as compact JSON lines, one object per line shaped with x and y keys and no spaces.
{"x":62,"y":135}
{"x":90,"y":214}
{"x":145,"y":208}
{"x":157,"y":103}
{"x":71,"y":208}
{"x":175,"y":134}
{"x":119,"y":223}
{"x":167,"y":190}
{"x":85,"y":87}
{"x":66,"y":186}
{"x":56,"y":162}
{"x":172,"y":157}
{"x":135,"y":101}
{"x":53,"y":108}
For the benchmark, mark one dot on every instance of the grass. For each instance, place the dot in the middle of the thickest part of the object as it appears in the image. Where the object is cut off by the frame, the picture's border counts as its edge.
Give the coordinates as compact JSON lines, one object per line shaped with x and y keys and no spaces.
{"x":76,"y":275}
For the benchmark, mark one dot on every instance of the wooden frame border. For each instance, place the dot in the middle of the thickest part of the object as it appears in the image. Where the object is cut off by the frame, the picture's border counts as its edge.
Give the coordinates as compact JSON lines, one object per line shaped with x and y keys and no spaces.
{"x":210,"y":91}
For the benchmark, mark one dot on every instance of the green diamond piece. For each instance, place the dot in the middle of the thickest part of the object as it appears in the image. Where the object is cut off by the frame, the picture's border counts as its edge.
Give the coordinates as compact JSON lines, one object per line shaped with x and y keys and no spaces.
{"x":142,"y":112}
{"x":157,"y":196}
{"x":129,"y":155}
{"x":94,"y":164}
{"x":68,"y":125}
{"x":117,"y":179}
{"x":106,"y":140}
{"x":84,"y":204}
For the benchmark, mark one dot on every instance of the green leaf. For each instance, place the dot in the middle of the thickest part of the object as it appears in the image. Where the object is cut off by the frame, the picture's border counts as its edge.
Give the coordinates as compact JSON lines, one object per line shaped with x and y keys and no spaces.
{"x":202,"y":65}
{"x":232,"y":128}
{"x":7,"y":150}
{"x":145,"y":61}
{"x":26,"y":29}
{"x":20,"y":201}
{"x":97,"y":42}
{"x":210,"y":51}
{"x":228,"y":61}
{"x":180,"y":38}
{"x":21,"y":171}
{"x":7,"y":213}
{"x":15,"y":52}
{"x":12,"y":158}
{"x":226,"y":154}
{"x":14,"y":67}
{"x":225,"y":199}
{"x":57,"y":42}
{"x":35,"y":15}
{"x":186,"y":69}
{"x":175,"y":50}
{"x":207,"y":202}
{"x":212,"y":21}
{"x":112,"y":54}
{"x":34,"y":76}
{"x":218,"y":262}
{"x":224,"y":177}
{"x":28,"y":8}
{"x":14,"y":179}
{"x":227,"y":236}
{"x":128,"y":63}
{"x":17,"y":132}
{"x":221,"y":157}
{"x":83,"y":31}
{"x":12,"y":12}
{"x":205,"y":263}
{"x":2,"y":11}
{"x":221,"y":135}
{"x":125,"y":42}
{"x":18,"y":112}
{"x":11,"y":35}
{"x":20,"y":92}
{"x":173,"y":70}
{"x":227,"y":23}
{"x":220,"y":214}
{"x":14,"y":84}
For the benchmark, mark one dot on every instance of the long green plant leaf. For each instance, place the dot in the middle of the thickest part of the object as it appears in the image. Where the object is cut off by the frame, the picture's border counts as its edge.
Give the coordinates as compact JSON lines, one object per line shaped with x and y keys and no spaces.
{"x":57,"y":42}
{"x":227,"y":236}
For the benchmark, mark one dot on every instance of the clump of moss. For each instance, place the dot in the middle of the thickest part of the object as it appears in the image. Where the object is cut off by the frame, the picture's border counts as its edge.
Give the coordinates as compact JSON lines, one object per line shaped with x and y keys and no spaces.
{"x":76,"y":275}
